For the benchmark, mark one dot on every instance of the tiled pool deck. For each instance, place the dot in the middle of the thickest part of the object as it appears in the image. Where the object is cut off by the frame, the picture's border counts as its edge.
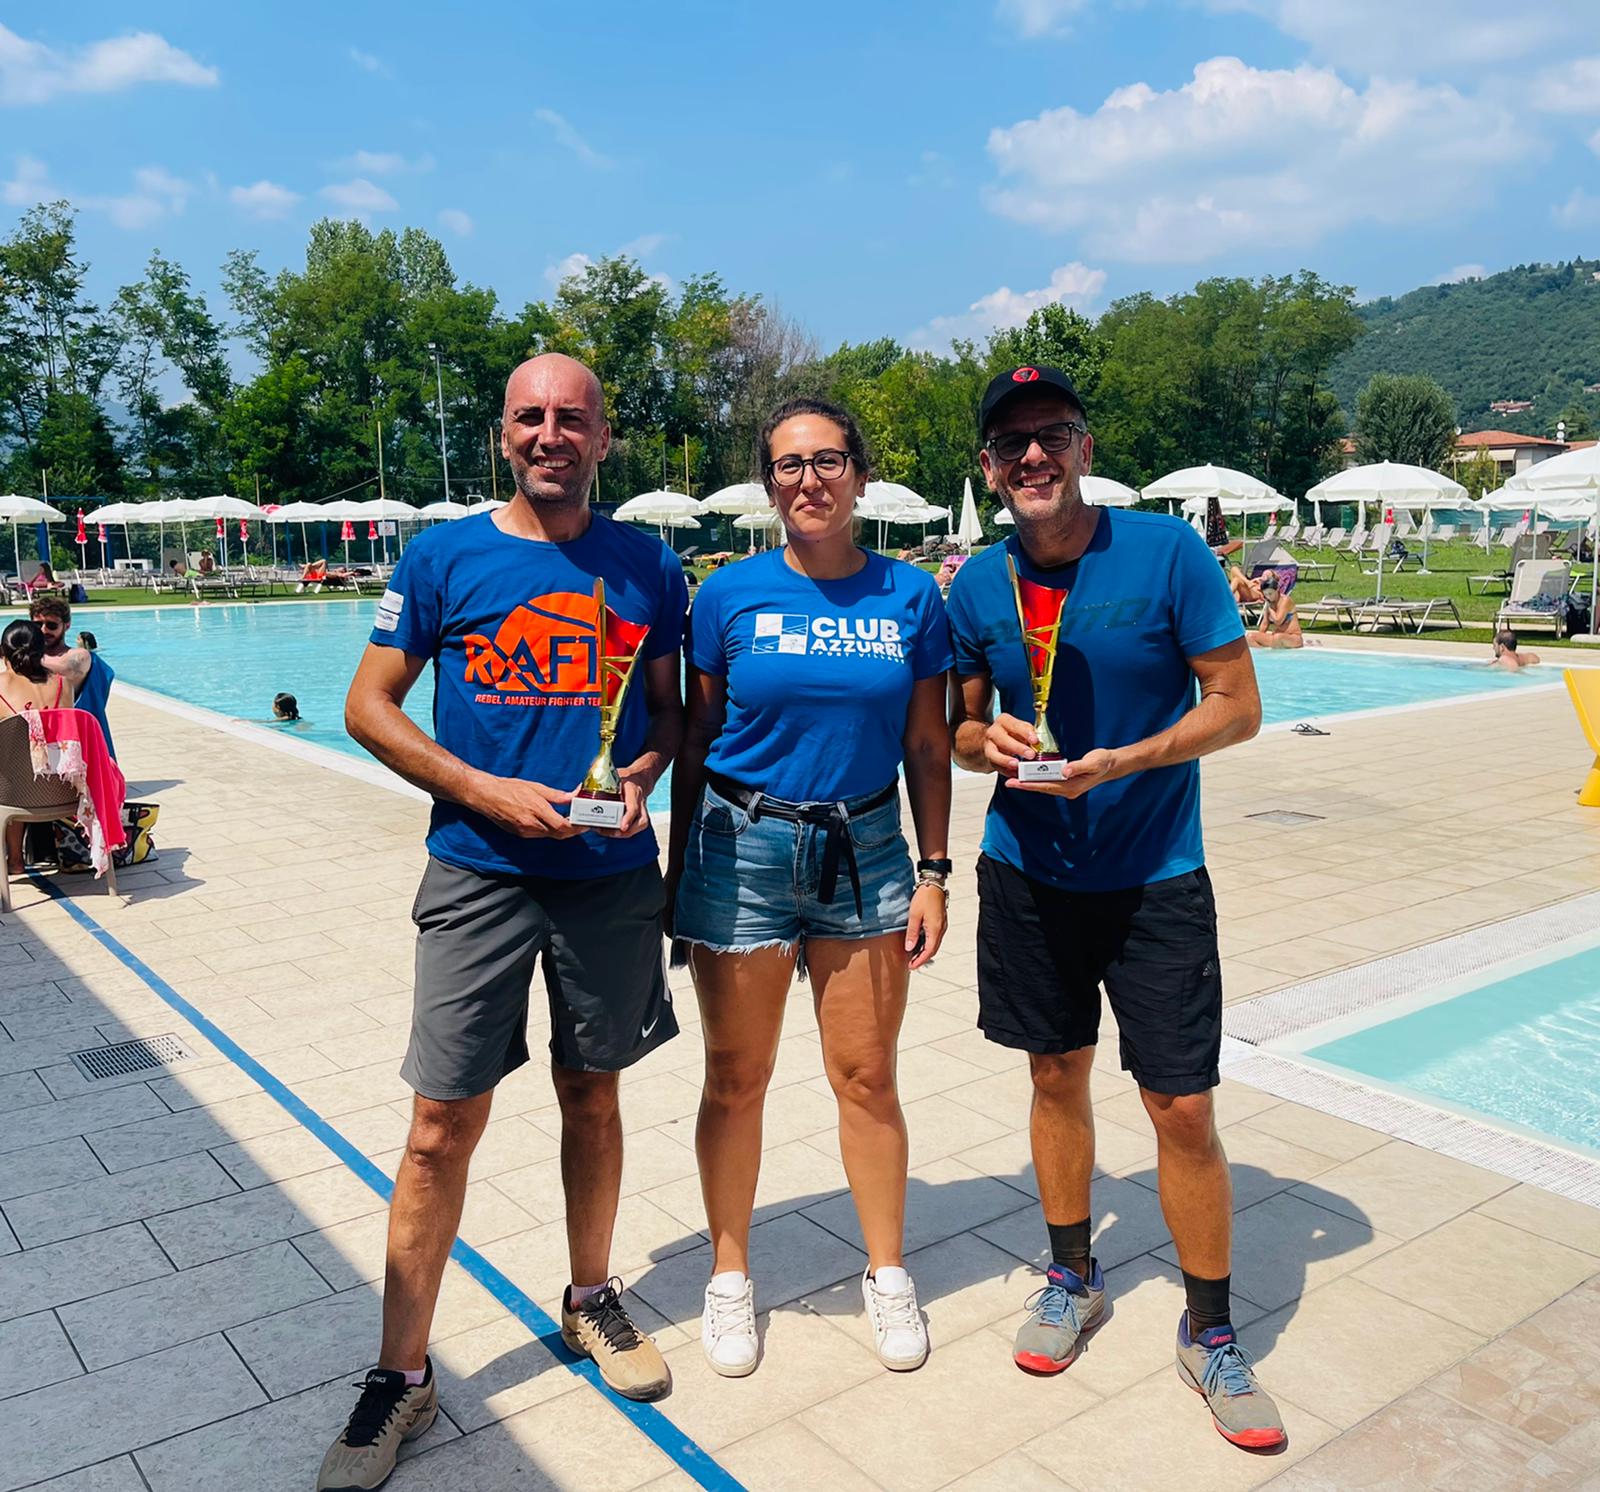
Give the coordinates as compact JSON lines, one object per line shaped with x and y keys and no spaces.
{"x":188,"y":1278}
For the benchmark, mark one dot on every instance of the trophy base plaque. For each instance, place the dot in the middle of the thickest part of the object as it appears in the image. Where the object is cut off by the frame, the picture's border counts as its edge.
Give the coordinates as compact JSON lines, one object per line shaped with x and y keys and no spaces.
{"x":596,"y":812}
{"x":1045,"y":768}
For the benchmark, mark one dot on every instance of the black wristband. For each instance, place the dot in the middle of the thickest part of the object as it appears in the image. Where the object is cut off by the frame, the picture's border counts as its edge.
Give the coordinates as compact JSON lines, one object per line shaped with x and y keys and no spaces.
{"x":938,"y":867}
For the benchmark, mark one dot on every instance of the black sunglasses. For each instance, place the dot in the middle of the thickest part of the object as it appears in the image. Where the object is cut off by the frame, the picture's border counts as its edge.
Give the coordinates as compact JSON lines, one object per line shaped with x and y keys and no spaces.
{"x":1053,"y":438}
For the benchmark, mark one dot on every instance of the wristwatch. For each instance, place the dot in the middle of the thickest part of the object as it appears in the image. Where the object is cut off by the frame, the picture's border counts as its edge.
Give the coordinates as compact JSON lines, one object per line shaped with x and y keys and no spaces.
{"x":936,"y":867}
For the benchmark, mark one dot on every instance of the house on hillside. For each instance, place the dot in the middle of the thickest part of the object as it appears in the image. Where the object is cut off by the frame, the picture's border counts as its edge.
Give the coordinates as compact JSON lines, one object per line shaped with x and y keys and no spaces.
{"x":1509,"y":451}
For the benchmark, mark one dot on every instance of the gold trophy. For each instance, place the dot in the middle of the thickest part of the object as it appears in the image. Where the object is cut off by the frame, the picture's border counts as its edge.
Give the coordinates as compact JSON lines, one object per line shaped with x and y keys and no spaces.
{"x":598,"y":803}
{"x":1039,"y":610}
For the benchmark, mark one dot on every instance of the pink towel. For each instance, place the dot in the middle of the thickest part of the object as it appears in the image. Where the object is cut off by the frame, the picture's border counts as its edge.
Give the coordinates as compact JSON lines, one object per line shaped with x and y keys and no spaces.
{"x":70,"y":744}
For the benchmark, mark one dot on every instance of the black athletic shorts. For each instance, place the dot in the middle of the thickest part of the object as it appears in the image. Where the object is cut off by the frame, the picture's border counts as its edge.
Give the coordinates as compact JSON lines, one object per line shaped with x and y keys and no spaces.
{"x":478,"y":938}
{"x":1043,"y":954}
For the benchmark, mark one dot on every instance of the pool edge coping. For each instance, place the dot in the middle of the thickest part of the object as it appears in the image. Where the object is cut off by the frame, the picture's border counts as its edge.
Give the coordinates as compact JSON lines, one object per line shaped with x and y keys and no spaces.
{"x":1255,"y":1027}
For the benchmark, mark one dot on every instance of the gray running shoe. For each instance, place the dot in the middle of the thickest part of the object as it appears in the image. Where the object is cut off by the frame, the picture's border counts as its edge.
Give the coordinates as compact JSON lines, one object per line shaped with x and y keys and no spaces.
{"x":1217,"y":1368}
{"x":628,"y":1360}
{"x":387,"y":1414}
{"x":1060,"y":1315}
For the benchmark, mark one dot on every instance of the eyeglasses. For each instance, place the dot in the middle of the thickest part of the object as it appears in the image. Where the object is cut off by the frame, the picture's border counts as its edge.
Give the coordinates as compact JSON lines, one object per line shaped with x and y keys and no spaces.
{"x":1014,"y":443}
{"x":48,"y":624}
{"x":787,"y":471}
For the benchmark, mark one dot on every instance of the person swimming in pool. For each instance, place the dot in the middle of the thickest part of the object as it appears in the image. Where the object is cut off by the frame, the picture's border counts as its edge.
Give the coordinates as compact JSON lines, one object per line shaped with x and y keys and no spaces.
{"x":286,"y":712}
{"x":1506,"y":655}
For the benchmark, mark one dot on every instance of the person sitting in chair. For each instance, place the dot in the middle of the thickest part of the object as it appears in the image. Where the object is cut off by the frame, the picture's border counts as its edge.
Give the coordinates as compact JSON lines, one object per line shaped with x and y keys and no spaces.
{"x":1506,"y":655}
{"x":25,"y":684}
{"x":1279,"y":626}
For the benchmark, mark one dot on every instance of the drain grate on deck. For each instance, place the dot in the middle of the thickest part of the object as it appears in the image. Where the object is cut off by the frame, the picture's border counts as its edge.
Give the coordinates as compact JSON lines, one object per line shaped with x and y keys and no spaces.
{"x":1285,"y":816}
{"x":125,"y":1057}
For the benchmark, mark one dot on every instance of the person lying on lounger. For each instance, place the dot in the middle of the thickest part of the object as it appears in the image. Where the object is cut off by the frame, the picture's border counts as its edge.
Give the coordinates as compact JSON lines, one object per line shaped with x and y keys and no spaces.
{"x":1279,"y":626}
{"x":1506,"y":655}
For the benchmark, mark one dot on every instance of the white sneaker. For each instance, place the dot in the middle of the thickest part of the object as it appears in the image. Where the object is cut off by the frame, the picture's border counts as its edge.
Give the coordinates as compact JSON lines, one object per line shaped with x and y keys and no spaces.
{"x":897,"y":1325}
{"x":728,"y":1325}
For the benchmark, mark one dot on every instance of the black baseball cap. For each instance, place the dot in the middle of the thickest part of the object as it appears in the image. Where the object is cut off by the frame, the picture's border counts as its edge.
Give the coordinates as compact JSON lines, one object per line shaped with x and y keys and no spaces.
{"x":1020,"y":380}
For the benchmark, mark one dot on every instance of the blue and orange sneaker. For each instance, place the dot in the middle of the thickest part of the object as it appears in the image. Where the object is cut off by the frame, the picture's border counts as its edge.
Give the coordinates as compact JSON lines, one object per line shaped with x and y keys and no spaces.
{"x":1060,"y":1315}
{"x":1217,"y":1368}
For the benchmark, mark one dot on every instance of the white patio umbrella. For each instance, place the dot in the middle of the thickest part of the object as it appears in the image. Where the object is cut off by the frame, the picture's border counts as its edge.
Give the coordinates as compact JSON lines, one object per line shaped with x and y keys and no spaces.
{"x":1098,"y":492}
{"x":658,"y":508}
{"x":15,"y":509}
{"x":969,"y":530}
{"x":882,"y":501}
{"x":221,"y":507}
{"x":485,"y":505}
{"x":443,"y":509}
{"x":767,"y":523}
{"x":739,"y":500}
{"x":1392,"y":484}
{"x":1576,"y":475}
{"x":1240,"y":493}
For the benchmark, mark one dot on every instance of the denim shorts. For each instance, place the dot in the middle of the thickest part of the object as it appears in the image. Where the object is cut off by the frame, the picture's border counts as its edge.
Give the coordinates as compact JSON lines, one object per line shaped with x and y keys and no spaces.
{"x":751,"y":884}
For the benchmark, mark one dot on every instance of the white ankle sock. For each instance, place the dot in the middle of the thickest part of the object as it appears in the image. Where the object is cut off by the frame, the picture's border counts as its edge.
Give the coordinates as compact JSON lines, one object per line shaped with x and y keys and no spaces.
{"x":415,"y":1377}
{"x":580,"y":1293}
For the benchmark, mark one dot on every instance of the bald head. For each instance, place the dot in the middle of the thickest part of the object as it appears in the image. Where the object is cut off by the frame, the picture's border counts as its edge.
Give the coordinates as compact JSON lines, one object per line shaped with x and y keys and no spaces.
{"x":553,"y":377}
{"x":554,"y":431}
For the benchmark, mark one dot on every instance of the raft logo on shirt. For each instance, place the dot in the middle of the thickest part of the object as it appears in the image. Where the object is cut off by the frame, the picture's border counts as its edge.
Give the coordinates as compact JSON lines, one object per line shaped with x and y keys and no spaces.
{"x":835,"y":636}
{"x":543,"y":653}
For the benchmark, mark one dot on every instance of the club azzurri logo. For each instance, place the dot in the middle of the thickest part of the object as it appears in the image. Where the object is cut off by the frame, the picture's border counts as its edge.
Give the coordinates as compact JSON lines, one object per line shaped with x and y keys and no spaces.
{"x":838,"y":636}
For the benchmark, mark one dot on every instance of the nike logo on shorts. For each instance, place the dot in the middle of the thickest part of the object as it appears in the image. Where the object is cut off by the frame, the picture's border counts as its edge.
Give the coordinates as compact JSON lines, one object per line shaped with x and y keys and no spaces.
{"x":644,"y":1035}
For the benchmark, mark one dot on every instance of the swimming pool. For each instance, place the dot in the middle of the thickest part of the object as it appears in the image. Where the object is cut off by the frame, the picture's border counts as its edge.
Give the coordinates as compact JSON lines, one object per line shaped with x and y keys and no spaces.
{"x":233,"y":659}
{"x":1518,"y":1042}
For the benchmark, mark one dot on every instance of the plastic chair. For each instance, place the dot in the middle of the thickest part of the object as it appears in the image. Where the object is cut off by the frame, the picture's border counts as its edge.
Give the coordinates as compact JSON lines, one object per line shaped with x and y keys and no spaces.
{"x":27,"y":799}
{"x":1583,"y":684}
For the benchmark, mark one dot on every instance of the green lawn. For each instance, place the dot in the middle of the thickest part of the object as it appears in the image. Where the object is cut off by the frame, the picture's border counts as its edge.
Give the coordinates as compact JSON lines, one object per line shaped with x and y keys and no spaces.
{"x":1451,"y":565}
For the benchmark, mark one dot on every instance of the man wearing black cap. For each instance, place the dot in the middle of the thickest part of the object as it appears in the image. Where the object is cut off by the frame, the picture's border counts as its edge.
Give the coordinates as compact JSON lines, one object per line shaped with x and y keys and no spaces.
{"x":1093,"y":871}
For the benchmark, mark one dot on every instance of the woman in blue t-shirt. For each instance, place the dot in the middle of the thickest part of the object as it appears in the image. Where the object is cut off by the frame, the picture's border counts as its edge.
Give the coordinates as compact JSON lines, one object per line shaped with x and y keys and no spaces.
{"x":815,"y":671}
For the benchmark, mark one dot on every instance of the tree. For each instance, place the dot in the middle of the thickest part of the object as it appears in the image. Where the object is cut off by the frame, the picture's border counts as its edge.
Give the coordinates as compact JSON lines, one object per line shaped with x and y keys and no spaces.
{"x":1405,"y":417}
{"x":1578,"y":421}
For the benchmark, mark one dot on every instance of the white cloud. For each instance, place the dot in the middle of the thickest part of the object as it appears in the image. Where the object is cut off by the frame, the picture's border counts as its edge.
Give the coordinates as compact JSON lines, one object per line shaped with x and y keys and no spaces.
{"x":643,"y":246}
{"x":1040,"y":17}
{"x":1420,"y":35}
{"x":1569,"y":88}
{"x":1074,"y":285}
{"x":457,"y":222}
{"x":1580,"y":210}
{"x":156,"y":194}
{"x":359,"y":197}
{"x":1460,"y":273}
{"x":564,"y":269}
{"x":263,"y":199}
{"x":383,"y":163}
{"x":567,"y":136}
{"x":370,"y":64}
{"x":30,"y":184}
{"x":1246,"y":157}
{"x":33,"y":73}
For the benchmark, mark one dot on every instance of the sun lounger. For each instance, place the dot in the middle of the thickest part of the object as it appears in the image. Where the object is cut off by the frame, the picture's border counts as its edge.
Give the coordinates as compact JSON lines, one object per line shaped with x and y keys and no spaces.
{"x":1340,"y":610}
{"x":1536,"y":592}
{"x":1403,"y":613}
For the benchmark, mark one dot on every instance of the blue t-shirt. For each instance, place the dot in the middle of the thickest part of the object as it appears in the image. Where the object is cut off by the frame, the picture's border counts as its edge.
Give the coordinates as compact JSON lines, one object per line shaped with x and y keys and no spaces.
{"x":1144,"y":598}
{"x":510,"y":626}
{"x":819,"y":671}
{"x":91,"y":695}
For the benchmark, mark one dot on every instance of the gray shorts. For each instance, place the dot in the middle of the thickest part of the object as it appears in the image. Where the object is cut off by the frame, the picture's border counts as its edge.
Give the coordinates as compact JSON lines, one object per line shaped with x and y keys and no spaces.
{"x":600,"y":942}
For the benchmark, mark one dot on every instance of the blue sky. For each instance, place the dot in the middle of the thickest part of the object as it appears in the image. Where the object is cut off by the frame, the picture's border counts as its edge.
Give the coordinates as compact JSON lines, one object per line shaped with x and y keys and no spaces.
{"x":920,"y":171}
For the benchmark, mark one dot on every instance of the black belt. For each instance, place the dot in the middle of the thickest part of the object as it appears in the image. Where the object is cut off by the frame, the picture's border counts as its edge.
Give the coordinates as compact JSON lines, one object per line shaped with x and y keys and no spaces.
{"x":833,"y":818}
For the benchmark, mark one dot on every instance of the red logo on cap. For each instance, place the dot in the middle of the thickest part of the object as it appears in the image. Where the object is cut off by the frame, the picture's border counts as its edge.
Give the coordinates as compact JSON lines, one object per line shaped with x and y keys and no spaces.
{"x":1025,"y":375}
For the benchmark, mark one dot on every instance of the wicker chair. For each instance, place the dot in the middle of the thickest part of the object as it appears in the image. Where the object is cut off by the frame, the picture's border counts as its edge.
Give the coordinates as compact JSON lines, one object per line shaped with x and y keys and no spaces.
{"x":27,"y":799}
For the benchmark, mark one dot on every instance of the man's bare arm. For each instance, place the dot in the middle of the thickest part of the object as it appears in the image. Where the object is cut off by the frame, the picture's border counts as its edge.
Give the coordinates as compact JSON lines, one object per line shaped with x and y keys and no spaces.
{"x":73,"y":665}
{"x":374,"y":717}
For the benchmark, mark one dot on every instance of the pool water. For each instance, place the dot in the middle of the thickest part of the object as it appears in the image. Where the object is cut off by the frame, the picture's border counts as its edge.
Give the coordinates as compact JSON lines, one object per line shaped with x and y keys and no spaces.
{"x":233,"y":659}
{"x":1522,"y":1047}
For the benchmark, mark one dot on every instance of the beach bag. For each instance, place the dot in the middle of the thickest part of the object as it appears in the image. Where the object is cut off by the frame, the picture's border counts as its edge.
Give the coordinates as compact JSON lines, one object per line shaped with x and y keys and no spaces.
{"x":137,"y":821}
{"x":76,"y":594}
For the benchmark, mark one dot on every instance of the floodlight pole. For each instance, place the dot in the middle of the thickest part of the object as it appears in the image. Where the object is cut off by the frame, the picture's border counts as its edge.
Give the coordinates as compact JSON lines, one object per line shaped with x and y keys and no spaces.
{"x":444,"y":455}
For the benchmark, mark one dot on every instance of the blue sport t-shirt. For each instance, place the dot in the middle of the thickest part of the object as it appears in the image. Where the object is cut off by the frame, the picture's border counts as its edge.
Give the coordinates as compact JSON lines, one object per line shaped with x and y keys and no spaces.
{"x":819,"y":672}
{"x":510,"y":625}
{"x":1144,"y":598}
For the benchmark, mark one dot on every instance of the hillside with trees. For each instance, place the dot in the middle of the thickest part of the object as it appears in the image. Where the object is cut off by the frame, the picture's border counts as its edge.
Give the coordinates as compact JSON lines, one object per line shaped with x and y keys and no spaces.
{"x":1529,"y":333}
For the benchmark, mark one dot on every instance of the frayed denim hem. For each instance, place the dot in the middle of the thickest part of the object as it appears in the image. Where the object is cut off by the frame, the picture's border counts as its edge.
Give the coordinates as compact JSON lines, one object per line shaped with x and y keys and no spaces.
{"x":795,"y":945}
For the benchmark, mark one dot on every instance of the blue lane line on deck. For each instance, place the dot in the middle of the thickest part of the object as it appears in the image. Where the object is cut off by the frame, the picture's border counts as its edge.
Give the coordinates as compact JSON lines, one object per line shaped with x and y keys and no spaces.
{"x":646,"y":1418}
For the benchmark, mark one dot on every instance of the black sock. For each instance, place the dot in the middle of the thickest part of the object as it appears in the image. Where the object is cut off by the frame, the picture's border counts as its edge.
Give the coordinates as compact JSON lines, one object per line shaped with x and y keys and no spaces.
{"x":1207,"y":1301}
{"x":1069,"y":1246}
